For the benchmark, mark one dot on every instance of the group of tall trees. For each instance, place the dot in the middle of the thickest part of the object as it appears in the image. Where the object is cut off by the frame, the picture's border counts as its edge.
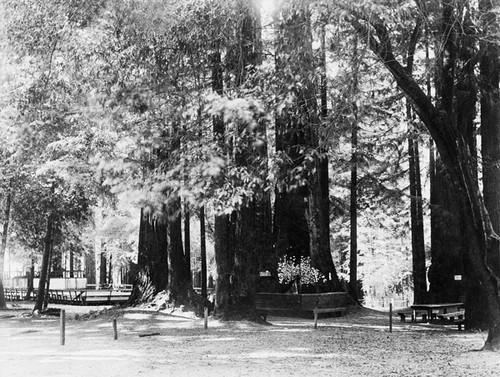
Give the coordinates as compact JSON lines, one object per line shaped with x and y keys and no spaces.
{"x":237,"y":112}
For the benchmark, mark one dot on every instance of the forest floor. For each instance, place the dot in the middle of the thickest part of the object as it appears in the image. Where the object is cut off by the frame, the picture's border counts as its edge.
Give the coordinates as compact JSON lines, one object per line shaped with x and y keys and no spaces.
{"x":158,"y":343}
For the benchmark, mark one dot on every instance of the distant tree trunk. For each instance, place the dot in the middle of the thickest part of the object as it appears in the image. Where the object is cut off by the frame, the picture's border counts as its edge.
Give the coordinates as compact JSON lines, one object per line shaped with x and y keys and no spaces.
{"x":49,"y":233}
{"x":3,"y":246}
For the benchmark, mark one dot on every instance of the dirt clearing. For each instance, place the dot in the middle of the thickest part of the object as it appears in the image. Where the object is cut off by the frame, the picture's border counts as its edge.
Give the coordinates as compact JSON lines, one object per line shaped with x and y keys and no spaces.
{"x":160,"y":344}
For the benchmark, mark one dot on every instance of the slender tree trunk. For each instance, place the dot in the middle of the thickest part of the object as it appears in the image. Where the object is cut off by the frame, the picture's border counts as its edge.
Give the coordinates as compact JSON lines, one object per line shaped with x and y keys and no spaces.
{"x":3,"y":246}
{"x":102,"y":268}
{"x":353,"y":212}
{"x":40,"y":298}
{"x":203,"y":254}
{"x":31,"y":276}
{"x":71,"y":263}
{"x":187,"y":243}
{"x":49,"y":270}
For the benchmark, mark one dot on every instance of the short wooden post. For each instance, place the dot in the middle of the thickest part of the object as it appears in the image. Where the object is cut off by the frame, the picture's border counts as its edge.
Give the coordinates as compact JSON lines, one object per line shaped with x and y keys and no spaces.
{"x":390,"y":317}
{"x":316,"y":314}
{"x":205,"y":315}
{"x":115,"y":330}
{"x":63,"y":327}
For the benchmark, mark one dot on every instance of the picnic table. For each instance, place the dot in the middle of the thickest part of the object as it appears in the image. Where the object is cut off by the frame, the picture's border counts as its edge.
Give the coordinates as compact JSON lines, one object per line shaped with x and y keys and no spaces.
{"x":432,"y":310}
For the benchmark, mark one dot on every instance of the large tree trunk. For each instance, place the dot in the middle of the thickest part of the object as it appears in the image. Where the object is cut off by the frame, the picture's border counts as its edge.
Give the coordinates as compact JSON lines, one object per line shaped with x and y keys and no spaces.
{"x":416,"y":206}
{"x":224,"y":259}
{"x":302,"y":204}
{"x":151,"y":272}
{"x":446,"y":237}
{"x":253,"y":233}
{"x":490,"y":122}
{"x":179,"y":285}
{"x":223,"y":223}
{"x":459,"y":161}
{"x":417,"y":224}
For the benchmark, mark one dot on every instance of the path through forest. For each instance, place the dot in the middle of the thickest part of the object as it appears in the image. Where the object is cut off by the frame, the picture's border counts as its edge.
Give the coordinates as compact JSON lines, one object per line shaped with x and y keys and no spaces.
{"x":358,"y":344}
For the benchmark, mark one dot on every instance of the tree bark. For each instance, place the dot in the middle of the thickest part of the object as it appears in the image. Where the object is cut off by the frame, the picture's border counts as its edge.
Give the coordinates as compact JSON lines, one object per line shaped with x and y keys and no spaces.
{"x":187,"y":243}
{"x":49,"y":232}
{"x":417,"y":224}
{"x":203,"y":254}
{"x":416,"y":206}
{"x":178,"y":281}
{"x":3,"y":246}
{"x":490,"y":121}
{"x":301,"y":204}
{"x":151,"y":272}
{"x":458,"y":159}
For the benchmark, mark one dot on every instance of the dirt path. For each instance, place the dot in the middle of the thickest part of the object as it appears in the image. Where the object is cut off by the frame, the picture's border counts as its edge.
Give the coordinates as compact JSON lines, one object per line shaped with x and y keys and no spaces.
{"x":358,"y":344}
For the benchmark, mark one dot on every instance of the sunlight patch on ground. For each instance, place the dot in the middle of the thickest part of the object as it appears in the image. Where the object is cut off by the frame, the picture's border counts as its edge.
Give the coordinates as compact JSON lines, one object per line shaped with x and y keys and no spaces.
{"x":267,"y":354}
{"x":219,"y":339}
{"x":173,"y":319}
{"x":290,"y":330}
{"x":138,"y":316}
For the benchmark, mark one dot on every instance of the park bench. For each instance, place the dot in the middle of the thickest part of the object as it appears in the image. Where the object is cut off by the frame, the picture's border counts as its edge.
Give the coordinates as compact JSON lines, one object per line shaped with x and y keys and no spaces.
{"x":104,"y":297}
{"x":413,"y":317}
{"x":456,"y":318}
{"x":290,"y":303}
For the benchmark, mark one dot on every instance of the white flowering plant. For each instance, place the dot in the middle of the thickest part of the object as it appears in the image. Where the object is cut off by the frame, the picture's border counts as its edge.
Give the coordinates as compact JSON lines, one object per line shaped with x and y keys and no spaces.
{"x":291,"y":269}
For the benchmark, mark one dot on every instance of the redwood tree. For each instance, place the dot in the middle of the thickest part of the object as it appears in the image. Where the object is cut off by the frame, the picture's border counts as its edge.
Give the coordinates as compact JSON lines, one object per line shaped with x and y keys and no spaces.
{"x":454,"y":149}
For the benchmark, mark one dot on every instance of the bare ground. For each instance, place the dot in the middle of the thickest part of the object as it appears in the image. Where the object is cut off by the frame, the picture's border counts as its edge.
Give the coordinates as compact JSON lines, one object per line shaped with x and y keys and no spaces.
{"x":152,"y":343}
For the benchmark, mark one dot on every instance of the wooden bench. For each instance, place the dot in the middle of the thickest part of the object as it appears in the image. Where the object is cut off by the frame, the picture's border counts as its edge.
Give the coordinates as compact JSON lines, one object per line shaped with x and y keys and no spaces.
{"x":457,"y":318}
{"x":285,"y":303}
{"x":403,"y":315}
